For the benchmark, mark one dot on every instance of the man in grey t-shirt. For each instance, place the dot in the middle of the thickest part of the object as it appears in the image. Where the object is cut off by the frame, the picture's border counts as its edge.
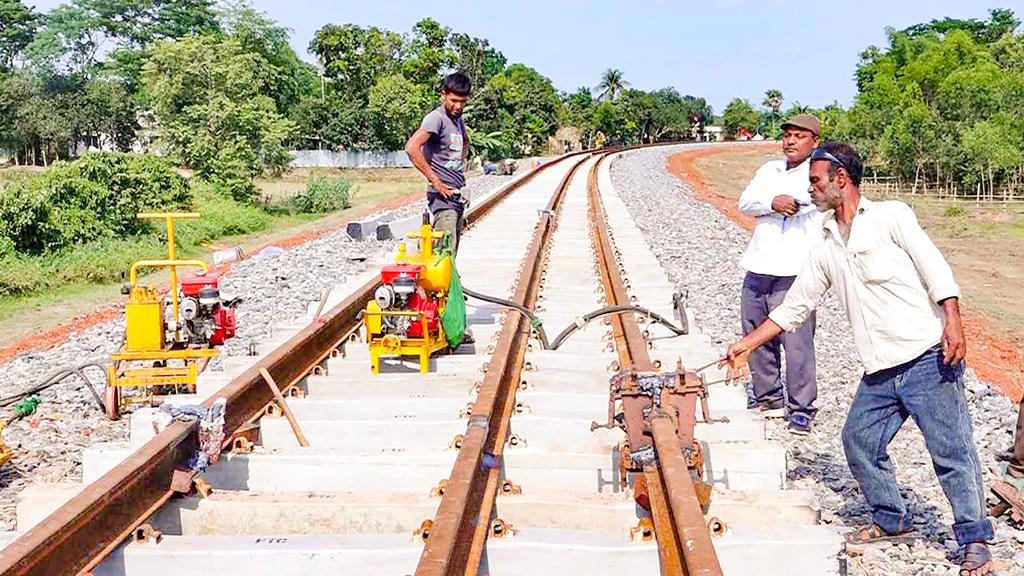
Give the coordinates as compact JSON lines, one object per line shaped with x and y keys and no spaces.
{"x":438,"y":149}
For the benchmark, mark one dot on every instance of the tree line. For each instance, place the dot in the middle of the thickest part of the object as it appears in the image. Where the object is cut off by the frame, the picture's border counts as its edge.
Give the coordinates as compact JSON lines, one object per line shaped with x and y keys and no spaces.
{"x":217,"y":87}
{"x":941,"y":103}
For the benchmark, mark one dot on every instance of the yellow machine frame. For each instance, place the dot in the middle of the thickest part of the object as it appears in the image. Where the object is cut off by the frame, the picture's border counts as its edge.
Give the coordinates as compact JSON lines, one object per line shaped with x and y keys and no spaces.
{"x":436,"y":276}
{"x":144,"y":331}
{"x":5,"y":453}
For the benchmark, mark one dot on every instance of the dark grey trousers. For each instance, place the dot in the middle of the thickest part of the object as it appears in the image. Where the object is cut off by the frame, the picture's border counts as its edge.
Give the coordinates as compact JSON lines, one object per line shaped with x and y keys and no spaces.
{"x":1017,"y":458}
{"x":761,"y":294}
{"x":452,"y":222}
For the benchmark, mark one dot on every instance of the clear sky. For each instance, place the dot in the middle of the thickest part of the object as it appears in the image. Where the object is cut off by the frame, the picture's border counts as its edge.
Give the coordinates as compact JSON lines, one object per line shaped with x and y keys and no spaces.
{"x":718,"y":49}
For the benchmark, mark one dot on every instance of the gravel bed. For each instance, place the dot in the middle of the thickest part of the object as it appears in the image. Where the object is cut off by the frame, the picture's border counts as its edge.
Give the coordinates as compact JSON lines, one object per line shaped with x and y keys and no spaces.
{"x":275,"y":288}
{"x":700,"y":249}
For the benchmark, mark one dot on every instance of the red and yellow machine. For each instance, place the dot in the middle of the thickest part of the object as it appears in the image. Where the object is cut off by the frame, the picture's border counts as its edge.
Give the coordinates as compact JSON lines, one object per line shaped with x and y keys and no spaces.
{"x":404,"y":317}
{"x":168,"y":338}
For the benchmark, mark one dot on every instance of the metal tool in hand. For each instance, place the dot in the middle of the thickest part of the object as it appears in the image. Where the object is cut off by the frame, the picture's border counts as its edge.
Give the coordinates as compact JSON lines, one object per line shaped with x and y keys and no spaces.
{"x":800,"y":204}
{"x":710,"y":364}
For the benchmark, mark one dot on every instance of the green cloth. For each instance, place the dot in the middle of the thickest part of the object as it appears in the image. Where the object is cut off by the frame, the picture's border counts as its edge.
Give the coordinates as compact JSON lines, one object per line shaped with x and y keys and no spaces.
{"x":454,"y":317}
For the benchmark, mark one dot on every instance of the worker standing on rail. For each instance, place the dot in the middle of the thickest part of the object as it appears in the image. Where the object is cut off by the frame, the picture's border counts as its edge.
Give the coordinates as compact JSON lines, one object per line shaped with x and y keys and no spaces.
{"x":903,"y":306}
{"x":788,"y":227}
{"x":438,"y":149}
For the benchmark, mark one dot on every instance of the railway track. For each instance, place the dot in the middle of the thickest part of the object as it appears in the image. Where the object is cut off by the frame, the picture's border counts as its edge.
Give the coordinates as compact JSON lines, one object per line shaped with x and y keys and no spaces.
{"x":489,"y":464}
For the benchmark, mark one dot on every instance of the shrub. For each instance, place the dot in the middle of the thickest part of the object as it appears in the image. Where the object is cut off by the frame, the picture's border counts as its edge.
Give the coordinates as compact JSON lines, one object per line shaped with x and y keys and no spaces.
{"x":955,"y":211}
{"x":96,"y":196}
{"x":24,"y":217}
{"x":20,"y":275}
{"x":104,"y":260}
{"x":222,"y":216}
{"x":324,"y":194}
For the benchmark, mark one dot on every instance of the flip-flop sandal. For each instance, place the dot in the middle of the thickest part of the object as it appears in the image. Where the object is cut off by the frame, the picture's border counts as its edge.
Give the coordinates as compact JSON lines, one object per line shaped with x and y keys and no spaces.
{"x":1004,"y":474}
{"x":874,"y":533}
{"x":976,"y":561}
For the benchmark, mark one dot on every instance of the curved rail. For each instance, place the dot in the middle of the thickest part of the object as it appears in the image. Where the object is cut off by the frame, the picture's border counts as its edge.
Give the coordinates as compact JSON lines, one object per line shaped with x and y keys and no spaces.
{"x":81,"y":533}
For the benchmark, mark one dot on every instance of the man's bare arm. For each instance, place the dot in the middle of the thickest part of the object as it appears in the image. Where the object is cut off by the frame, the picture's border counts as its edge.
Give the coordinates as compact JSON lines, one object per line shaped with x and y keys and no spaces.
{"x":414,"y":148}
{"x":739,"y":352}
{"x":954,"y":343}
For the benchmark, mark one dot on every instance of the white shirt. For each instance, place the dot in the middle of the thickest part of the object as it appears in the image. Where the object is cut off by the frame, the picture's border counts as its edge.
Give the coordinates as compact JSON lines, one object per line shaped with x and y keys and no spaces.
{"x":780,"y":245}
{"x":889,"y":277}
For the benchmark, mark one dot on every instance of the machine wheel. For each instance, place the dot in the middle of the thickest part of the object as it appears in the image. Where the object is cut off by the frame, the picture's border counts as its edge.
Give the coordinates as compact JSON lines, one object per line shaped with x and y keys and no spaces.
{"x":112,"y":402}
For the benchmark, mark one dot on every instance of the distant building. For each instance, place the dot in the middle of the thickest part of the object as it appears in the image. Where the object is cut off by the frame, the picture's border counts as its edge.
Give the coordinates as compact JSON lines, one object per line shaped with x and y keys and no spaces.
{"x":707,"y":133}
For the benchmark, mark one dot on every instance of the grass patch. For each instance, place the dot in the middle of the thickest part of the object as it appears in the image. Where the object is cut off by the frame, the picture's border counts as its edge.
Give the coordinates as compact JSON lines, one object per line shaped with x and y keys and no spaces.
{"x":38,"y":302}
{"x":980,"y":241}
{"x":730,"y":172}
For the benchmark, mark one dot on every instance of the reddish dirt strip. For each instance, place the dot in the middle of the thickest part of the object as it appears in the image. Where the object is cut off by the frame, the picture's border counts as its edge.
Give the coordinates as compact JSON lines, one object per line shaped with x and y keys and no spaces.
{"x":49,"y":338}
{"x":992,"y":355}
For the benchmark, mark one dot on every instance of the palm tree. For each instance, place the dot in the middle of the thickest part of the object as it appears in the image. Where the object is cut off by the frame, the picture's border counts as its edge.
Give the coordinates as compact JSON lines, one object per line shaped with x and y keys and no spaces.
{"x":773,"y":100}
{"x":611,"y":84}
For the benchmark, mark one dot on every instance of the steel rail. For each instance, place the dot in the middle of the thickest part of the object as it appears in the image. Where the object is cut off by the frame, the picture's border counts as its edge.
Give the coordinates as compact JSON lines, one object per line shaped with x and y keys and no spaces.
{"x":463,"y":519}
{"x":684,"y":541}
{"x":78,"y":534}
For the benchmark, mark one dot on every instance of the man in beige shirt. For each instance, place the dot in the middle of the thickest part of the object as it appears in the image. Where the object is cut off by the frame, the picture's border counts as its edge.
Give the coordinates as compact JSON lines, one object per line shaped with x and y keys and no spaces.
{"x":902,"y":303}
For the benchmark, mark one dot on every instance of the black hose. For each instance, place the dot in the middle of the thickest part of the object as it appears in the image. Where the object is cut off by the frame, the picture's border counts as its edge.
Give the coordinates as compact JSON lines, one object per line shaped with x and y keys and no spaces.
{"x":570,"y":329}
{"x":57,"y":377}
{"x":607,"y":310}
{"x":536,"y":322}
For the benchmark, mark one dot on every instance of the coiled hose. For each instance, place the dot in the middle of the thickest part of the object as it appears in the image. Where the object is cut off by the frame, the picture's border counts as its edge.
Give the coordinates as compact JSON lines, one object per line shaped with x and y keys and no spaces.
{"x":538,"y":325}
{"x":57,"y":377}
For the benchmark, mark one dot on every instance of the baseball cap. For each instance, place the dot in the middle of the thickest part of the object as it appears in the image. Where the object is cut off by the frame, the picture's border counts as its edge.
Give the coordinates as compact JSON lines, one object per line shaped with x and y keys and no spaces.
{"x":808,"y":122}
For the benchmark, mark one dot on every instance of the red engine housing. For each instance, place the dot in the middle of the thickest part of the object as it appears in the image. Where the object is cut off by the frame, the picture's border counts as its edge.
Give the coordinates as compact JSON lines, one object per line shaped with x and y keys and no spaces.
{"x":427,"y":307}
{"x":223,"y":317}
{"x":416,"y":301}
{"x":391,"y":271}
{"x":224,"y":320}
{"x":193,"y":282}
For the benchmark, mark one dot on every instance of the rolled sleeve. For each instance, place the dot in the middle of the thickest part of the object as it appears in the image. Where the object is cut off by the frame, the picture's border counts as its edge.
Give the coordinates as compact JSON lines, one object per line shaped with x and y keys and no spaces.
{"x":803,"y":296}
{"x":931,"y":265}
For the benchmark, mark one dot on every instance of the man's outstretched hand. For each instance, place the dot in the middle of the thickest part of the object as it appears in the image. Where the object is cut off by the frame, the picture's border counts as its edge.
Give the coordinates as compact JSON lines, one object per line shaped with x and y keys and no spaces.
{"x":735,"y":362}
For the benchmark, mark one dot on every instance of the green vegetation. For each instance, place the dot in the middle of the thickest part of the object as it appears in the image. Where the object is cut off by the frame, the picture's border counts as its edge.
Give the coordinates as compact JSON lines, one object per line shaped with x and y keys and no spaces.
{"x":324,"y":195}
{"x":942,"y":103}
{"x":740,"y":115}
{"x":92,"y":198}
{"x":211,"y":97}
{"x":75,"y":223}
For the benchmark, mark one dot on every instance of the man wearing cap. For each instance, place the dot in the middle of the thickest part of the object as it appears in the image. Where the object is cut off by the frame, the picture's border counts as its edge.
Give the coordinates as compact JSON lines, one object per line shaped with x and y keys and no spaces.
{"x":788,"y":228}
{"x":903,"y":306}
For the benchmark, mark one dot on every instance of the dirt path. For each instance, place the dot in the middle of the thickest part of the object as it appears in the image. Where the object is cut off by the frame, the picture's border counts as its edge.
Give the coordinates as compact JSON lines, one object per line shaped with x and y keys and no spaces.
{"x":992,"y":352}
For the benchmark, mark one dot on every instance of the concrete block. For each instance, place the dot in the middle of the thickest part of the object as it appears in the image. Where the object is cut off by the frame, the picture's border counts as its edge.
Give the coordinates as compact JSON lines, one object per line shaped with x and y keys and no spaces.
{"x":363,"y":229}
{"x":397,"y":229}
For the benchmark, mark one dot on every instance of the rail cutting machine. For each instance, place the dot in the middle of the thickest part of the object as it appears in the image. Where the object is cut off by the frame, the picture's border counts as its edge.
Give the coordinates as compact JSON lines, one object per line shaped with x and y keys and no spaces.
{"x":404,"y":317}
{"x":168,"y":338}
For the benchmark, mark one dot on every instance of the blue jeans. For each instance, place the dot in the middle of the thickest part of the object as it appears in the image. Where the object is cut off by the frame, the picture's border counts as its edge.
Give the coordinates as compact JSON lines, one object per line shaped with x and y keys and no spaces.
{"x":933,"y":394}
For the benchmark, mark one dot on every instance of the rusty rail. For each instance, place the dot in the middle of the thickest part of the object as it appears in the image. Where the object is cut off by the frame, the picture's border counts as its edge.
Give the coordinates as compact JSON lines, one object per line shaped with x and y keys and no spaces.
{"x":80,"y":533}
{"x":684,"y":541}
{"x":463,"y":519}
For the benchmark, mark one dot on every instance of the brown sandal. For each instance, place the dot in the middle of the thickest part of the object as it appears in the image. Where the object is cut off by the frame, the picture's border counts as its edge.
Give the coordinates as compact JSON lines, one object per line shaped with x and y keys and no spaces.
{"x":874,"y":533}
{"x":977,"y":560}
